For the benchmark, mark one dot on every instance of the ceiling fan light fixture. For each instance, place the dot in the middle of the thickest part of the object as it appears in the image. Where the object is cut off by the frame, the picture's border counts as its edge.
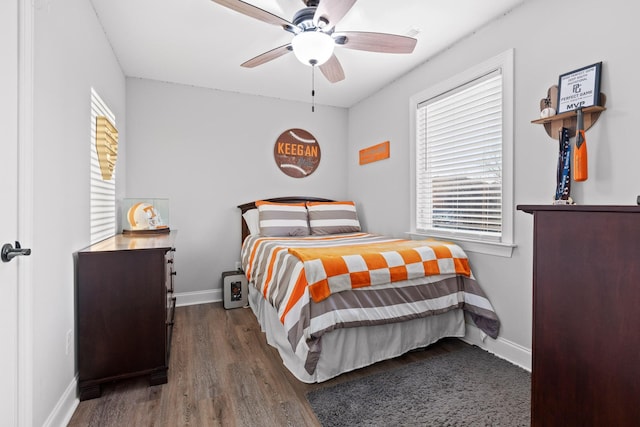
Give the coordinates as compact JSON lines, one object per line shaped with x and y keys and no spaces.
{"x":313,"y":47}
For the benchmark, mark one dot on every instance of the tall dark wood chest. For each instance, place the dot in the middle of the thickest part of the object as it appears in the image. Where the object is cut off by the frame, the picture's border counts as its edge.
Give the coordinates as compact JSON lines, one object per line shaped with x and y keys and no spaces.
{"x":586,"y":315}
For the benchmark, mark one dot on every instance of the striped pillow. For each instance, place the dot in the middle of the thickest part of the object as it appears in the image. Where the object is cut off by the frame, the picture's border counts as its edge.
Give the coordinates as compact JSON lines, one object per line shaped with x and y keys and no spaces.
{"x":282,"y":219}
{"x":332,"y":217}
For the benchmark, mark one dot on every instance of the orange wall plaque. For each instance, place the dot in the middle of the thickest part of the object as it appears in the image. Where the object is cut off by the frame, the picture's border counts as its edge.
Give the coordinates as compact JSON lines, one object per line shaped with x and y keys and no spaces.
{"x":374,"y":153}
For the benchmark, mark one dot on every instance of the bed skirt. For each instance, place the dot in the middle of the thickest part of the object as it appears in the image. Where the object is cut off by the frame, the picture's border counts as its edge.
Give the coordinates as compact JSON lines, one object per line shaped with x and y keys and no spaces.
{"x":347,"y":349}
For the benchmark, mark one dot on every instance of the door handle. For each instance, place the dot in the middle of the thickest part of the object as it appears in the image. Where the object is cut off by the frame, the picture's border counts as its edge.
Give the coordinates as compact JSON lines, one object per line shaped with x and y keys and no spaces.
{"x":9,"y":252}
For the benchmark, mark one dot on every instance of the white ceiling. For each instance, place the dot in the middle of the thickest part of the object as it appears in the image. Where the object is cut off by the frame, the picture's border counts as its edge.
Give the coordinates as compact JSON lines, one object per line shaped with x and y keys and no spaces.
{"x":200,"y":43}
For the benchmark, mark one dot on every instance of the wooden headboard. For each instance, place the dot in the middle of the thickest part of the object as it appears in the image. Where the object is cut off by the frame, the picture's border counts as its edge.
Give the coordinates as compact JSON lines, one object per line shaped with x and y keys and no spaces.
{"x":289,"y":199}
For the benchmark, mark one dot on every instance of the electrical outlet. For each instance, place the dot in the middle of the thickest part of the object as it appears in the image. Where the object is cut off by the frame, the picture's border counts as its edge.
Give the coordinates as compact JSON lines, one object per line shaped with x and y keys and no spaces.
{"x":68,"y":342}
{"x":238,"y":265}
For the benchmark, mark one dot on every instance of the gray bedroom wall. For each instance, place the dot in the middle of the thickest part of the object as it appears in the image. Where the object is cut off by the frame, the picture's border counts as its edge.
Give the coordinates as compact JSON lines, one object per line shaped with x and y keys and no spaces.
{"x":209,"y":151}
{"x":71,"y":55}
{"x":549,"y":38}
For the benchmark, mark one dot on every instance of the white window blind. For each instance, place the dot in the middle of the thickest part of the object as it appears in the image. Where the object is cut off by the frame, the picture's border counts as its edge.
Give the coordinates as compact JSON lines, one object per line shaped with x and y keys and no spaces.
{"x":103,"y":193}
{"x":459,"y":160}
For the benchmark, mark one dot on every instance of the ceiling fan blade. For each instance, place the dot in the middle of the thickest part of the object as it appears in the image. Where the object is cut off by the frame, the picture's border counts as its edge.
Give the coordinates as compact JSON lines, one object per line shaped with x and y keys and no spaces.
{"x":267,"y":56}
{"x":375,"y":42}
{"x":332,"y":11}
{"x":254,"y":12}
{"x":332,"y":70}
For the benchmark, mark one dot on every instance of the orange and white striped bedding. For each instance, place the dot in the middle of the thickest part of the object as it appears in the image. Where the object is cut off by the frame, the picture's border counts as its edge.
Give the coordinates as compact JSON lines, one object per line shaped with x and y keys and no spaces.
{"x":361,"y":279}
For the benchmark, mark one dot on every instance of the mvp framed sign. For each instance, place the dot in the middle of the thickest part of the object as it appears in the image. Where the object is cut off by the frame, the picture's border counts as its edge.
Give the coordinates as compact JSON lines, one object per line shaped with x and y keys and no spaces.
{"x":579,"y":88}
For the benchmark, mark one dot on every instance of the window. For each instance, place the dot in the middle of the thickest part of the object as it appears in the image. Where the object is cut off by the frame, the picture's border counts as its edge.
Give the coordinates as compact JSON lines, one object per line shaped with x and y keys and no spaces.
{"x":462,"y":136}
{"x":103,"y":193}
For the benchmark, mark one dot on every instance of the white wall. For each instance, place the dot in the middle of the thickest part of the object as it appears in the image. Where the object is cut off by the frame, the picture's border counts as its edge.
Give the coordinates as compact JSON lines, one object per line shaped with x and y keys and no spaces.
{"x":549,"y":38}
{"x":209,"y":151}
{"x":71,"y":55}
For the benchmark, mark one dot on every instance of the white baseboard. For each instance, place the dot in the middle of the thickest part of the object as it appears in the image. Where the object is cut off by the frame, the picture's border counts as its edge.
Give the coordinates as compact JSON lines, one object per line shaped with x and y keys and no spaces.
{"x":503,"y":348}
{"x":66,"y":406}
{"x":198,"y":297}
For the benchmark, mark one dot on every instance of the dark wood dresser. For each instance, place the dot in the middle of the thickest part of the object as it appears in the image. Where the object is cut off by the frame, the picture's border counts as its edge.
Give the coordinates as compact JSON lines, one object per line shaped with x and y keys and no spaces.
{"x":124,"y":310}
{"x":586,"y":315}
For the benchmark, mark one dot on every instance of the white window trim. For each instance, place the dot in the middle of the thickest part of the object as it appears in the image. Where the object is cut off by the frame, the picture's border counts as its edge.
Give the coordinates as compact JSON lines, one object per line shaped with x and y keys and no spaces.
{"x":504,"y":61}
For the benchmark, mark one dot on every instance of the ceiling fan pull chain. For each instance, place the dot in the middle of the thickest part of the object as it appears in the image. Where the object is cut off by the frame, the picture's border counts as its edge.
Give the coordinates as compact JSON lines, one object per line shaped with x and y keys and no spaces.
{"x":313,"y":88}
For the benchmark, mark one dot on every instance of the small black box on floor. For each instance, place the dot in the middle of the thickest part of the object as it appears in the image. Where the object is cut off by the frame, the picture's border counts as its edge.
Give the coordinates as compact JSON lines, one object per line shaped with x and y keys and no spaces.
{"x":234,"y":289}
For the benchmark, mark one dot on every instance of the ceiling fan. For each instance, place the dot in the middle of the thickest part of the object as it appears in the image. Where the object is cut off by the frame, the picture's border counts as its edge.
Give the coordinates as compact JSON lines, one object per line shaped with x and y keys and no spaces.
{"x":315,"y":36}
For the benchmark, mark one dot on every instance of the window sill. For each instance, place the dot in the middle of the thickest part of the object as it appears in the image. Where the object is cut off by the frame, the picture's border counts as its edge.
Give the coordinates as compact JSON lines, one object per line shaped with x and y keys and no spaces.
{"x":504,"y":250}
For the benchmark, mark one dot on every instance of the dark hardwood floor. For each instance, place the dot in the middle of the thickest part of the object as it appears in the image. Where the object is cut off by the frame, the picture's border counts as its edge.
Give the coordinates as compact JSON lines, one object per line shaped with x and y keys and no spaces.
{"x":221,"y":373}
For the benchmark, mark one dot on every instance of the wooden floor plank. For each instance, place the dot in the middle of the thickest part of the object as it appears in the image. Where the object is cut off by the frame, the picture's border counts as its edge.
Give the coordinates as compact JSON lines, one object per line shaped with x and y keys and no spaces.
{"x":221,"y":373}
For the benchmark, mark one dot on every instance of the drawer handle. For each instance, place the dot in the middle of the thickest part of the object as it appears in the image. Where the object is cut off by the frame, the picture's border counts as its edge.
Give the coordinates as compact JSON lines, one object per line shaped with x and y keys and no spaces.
{"x":174,"y":273}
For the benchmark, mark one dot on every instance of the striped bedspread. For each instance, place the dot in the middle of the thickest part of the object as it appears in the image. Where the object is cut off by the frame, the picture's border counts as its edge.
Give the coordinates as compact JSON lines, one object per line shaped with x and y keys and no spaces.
{"x":278,"y":267}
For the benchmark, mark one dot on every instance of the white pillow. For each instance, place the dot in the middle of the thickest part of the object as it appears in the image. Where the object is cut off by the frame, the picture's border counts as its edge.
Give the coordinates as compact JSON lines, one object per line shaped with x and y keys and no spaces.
{"x":252,"y":219}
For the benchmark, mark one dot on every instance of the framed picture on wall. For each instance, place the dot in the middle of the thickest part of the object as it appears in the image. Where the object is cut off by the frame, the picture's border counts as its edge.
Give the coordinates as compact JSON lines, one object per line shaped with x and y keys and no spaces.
{"x":579,"y":88}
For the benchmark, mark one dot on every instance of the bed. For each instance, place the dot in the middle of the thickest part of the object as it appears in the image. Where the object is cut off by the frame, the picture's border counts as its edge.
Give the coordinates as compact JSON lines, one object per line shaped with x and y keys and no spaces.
{"x":332,"y":298}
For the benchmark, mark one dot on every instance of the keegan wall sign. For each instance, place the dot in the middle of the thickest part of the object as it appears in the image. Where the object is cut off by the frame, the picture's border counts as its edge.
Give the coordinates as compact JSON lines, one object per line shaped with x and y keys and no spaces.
{"x":297,"y":153}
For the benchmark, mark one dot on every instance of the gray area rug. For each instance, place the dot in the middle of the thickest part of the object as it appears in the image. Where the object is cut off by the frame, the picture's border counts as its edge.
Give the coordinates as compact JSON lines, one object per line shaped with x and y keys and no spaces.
{"x":466,"y":387}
